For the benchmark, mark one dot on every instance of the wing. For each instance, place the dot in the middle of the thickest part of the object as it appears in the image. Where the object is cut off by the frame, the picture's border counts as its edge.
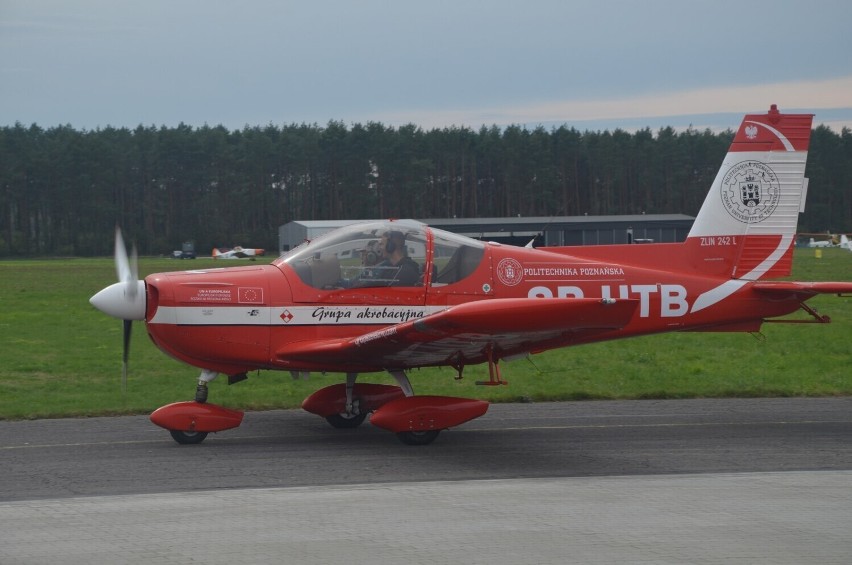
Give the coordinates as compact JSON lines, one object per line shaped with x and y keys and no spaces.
{"x":464,"y":333}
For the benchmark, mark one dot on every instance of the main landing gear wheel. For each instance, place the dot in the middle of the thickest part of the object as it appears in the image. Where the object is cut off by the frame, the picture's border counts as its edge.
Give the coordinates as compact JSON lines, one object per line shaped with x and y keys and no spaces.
{"x":418,"y":438}
{"x":346,"y":421}
{"x":188,"y":438}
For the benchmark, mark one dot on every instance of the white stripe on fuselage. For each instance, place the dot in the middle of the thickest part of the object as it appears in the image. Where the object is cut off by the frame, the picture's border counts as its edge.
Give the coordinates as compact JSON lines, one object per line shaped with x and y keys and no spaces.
{"x":319,"y":315}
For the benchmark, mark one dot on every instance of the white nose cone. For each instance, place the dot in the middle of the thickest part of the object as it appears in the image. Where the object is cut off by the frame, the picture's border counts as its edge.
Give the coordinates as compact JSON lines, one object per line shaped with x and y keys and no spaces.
{"x":122,"y":300}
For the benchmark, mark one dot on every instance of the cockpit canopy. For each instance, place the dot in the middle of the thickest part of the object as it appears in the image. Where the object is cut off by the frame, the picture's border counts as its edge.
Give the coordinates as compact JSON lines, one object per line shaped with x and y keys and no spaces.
{"x":352,"y":256}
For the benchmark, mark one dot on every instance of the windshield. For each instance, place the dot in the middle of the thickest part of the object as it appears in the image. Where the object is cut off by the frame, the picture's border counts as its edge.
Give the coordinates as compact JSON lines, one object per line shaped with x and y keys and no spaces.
{"x":389,"y":253}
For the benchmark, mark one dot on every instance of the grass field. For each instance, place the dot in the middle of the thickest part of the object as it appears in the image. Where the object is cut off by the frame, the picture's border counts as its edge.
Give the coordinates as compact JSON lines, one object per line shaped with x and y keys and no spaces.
{"x":60,"y":357}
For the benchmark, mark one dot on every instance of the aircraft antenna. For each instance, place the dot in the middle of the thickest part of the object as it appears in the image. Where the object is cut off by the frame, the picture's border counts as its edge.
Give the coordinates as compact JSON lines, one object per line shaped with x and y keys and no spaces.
{"x":529,"y":244}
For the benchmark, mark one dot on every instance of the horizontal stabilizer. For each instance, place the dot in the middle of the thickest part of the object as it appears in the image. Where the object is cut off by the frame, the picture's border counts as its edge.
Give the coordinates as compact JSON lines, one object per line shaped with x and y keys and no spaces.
{"x":809,"y":288}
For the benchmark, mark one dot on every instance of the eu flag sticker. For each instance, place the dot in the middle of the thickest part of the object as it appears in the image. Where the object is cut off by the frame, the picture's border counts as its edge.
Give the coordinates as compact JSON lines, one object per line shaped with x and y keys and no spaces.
{"x":250,"y":295}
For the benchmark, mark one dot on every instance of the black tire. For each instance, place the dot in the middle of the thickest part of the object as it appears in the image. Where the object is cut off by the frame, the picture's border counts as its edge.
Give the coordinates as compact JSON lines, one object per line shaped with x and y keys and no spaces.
{"x":346,"y":421}
{"x":418,"y":438}
{"x":188,"y":438}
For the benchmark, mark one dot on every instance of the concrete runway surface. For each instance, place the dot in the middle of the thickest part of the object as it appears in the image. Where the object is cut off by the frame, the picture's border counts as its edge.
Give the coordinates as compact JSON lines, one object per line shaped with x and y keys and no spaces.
{"x":683,"y":481}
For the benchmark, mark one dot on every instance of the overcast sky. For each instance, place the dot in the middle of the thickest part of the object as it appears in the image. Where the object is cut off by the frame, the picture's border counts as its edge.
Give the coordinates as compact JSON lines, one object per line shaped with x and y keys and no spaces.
{"x":591,"y":64}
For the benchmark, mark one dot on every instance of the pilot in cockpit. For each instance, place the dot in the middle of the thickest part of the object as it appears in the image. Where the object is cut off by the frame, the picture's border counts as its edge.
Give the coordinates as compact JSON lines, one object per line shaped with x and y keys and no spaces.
{"x":385,"y":262}
{"x":396,"y":267}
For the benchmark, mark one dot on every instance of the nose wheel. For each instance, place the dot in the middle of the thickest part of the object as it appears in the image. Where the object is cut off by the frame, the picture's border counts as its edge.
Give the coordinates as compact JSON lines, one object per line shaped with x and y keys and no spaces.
{"x":188,"y":438}
{"x":418,"y":438}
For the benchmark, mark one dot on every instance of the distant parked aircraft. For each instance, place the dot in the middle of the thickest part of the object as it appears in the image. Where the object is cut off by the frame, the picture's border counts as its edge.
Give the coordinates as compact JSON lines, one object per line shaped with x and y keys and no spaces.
{"x":237,"y":253}
{"x":822,"y":243}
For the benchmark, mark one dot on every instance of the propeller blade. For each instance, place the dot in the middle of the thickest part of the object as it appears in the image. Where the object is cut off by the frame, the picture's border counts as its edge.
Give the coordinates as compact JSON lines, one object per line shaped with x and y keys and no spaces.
{"x":122,"y":263}
{"x":127,"y":268}
{"x":134,"y":266}
{"x":125,"y":299}
{"x":128,"y":326}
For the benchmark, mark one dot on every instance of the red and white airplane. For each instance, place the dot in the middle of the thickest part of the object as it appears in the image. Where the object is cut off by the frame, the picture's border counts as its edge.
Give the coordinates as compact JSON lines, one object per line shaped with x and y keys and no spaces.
{"x":395,"y":295}
{"x":237,"y":253}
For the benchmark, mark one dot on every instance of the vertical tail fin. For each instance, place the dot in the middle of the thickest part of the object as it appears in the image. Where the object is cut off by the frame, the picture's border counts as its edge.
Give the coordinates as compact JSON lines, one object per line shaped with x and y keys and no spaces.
{"x":747,"y":224}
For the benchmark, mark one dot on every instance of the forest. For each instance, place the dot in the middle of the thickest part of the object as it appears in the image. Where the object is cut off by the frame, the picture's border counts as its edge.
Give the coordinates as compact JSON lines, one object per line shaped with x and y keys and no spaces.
{"x":63,"y":191}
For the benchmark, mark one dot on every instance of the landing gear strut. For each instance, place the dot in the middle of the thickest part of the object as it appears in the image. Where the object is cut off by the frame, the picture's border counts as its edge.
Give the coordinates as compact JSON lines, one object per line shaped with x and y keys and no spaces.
{"x":201,"y":390}
{"x":351,"y":416}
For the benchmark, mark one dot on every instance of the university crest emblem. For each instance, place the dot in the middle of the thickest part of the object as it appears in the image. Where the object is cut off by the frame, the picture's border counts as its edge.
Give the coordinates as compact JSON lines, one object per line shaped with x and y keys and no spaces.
{"x":750,"y":191}
{"x":510,"y":272}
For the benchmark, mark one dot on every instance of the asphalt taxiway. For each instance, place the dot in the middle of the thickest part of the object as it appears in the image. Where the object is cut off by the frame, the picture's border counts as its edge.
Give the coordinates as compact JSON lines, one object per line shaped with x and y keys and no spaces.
{"x":700,"y":481}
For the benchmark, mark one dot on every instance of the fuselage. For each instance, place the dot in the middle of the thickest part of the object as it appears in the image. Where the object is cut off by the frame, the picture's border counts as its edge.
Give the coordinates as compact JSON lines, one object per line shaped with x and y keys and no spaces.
{"x":237,"y":319}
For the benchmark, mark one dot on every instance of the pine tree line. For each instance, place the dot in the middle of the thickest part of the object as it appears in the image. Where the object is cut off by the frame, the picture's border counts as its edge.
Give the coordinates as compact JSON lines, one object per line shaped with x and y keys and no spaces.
{"x":62,"y":191}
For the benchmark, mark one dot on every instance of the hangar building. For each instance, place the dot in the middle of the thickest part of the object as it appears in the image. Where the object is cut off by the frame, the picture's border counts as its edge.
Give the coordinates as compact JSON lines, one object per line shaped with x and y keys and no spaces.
{"x":547,"y":231}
